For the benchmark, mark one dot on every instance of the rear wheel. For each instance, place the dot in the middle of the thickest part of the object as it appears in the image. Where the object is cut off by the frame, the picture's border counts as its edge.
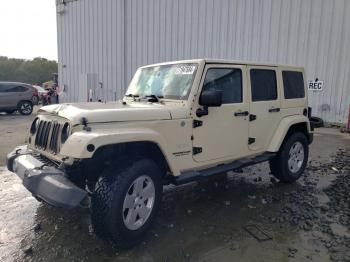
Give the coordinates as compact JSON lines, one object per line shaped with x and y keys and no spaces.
{"x":25,"y":108}
{"x":125,"y":202}
{"x":291,"y":160}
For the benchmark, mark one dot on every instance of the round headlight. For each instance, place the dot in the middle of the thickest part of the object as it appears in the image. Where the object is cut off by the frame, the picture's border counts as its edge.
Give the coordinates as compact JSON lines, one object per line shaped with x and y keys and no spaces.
{"x":34,"y":126}
{"x":65,"y":132}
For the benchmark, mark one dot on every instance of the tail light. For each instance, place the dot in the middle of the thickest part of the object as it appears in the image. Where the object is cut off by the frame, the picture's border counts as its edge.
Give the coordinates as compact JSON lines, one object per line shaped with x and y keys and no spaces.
{"x":35,"y":92}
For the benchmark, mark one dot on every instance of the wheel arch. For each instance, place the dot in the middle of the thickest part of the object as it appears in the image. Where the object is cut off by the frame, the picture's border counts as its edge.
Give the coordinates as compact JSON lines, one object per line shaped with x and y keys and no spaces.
{"x":130,"y":151}
{"x":122,"y":154}
{"x":24,"y":100}
{"x":288,"y":126}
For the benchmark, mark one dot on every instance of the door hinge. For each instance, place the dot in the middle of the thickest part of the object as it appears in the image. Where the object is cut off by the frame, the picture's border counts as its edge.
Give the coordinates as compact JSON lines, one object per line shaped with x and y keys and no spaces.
{"x":197,"y":123}
{"x":197,"y":150}
{"x":251,"y":140}
{"x":252,"y":117}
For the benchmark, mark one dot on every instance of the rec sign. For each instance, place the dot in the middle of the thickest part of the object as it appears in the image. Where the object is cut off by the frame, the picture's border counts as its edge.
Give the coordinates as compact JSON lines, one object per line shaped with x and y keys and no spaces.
{"x":316,"y":85}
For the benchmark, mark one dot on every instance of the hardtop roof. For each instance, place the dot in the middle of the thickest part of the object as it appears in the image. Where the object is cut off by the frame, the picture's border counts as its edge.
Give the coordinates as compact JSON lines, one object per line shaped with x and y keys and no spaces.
{"x":225,"y":61}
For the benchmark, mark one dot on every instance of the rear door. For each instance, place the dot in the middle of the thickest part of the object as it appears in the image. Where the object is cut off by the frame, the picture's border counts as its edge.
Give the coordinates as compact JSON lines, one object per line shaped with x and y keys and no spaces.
{"x":28,"y":92}
{"x":265,"y":106}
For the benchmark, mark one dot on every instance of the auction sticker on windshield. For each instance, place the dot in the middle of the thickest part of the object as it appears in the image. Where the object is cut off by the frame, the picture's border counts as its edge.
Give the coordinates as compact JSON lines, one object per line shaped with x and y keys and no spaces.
{"x":185,"y":69}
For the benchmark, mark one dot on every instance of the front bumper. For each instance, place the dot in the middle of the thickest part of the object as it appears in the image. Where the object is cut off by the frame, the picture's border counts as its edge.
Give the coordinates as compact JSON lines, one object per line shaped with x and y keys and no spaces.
{"x":45,"y":182}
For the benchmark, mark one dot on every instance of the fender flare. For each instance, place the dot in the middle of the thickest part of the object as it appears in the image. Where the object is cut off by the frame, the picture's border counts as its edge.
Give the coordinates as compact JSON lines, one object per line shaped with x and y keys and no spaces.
{"x":283,"y":129}
{"x":76,"y":144}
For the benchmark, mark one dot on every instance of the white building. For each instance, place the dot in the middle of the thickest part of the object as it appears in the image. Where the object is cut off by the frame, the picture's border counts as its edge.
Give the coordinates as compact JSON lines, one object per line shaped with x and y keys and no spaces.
{"x":102,"y":42}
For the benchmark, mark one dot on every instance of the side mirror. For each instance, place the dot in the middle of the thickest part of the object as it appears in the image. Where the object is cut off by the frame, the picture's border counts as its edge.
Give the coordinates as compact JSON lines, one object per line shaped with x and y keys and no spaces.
{"x":211,"y":98}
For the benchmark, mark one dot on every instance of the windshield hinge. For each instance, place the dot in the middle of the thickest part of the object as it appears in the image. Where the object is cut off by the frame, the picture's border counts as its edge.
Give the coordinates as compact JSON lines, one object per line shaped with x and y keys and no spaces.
{"x":196,"y":150}
{"x":251,"y":140}
{"x":197,"y":123}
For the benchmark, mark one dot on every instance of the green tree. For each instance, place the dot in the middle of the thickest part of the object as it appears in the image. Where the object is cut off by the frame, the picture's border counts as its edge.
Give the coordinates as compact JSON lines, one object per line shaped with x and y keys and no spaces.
{"x":36,"y":71}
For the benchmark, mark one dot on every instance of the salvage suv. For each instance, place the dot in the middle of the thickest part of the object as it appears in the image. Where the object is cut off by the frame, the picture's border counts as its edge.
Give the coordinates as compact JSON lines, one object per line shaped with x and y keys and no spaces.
{"x":178,"y":122}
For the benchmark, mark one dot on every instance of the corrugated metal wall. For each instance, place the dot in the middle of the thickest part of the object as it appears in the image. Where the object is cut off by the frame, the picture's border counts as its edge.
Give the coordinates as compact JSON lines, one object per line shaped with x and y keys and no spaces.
{"x":111,"y":38}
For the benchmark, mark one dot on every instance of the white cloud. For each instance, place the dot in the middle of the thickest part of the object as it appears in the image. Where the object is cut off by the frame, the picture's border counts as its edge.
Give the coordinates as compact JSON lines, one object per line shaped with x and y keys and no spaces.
{"x":28,"y":29}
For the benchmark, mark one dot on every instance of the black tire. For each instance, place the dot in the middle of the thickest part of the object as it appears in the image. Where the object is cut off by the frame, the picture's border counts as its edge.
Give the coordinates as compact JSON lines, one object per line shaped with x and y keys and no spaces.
{"x":108,"y":198}
{"x":25,"y":108}
{"x":279,"y":164}
{"x":316,"y":122}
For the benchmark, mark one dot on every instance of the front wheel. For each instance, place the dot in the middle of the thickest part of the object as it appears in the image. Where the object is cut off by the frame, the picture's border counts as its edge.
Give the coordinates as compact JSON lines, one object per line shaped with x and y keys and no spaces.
{"x":125,"y":202}
{"x":291,"y":160}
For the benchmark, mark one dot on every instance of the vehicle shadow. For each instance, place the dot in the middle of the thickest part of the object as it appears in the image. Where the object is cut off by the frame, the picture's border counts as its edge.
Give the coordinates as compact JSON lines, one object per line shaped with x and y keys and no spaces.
{"x":17,"y":115}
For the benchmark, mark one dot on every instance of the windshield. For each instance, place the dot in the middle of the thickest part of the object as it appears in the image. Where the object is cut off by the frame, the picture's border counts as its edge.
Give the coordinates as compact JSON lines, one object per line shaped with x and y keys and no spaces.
{"x":164,"y":81}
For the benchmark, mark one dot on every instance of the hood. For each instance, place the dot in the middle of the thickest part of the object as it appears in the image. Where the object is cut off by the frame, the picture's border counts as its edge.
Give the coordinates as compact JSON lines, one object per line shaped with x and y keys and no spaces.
{"x":96,"y":112}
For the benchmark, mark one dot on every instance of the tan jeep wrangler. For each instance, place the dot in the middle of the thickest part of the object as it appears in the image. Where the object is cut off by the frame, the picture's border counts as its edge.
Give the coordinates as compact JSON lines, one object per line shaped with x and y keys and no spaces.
{"x":178,"y":122}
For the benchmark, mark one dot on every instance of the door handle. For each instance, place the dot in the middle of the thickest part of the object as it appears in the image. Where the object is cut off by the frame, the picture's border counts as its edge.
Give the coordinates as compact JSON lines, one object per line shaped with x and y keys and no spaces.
{"x":274,"y":109}
{"x":241,"y":113}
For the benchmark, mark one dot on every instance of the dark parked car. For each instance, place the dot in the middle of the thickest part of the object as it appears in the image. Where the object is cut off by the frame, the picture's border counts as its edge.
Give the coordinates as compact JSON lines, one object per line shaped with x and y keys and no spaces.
{"x":17,"y":96}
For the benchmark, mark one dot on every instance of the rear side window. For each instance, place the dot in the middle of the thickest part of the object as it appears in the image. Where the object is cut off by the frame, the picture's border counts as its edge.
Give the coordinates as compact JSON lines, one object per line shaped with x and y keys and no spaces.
{"x":263,"y":84}
{"x":227,"y":80}
{"x":17,"y":88}
{"x":2,"y":88}
{"x":293,"y":84}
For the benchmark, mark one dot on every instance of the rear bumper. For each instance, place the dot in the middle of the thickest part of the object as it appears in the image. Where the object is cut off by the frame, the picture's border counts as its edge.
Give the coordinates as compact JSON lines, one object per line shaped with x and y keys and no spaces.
{"x":45,"y":182}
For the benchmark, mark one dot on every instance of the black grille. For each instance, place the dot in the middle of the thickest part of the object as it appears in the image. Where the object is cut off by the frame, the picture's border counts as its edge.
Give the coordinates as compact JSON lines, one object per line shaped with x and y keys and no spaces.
{"x":47,"y":136}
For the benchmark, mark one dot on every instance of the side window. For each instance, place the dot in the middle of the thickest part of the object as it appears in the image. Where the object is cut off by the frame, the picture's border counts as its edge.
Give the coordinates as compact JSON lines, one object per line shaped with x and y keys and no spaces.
{"x":227,"y":80}
{"x":293,"y":84}
{"x":16,"y":88}
{"x":2,"y":88}
{"x":263,"y":84}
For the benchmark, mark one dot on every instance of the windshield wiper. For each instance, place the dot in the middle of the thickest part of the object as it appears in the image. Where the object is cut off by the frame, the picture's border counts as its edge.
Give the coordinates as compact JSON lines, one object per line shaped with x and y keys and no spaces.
{"x":154,"y":98}
{"x":132,"y":95}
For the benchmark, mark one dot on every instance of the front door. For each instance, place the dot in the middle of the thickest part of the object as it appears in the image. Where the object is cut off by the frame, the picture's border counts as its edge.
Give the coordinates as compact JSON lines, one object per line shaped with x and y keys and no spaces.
{"x":223,"y":133}
{"x":3,"y":96}
{"x":264,"y":106}
{"x":11,"y":94}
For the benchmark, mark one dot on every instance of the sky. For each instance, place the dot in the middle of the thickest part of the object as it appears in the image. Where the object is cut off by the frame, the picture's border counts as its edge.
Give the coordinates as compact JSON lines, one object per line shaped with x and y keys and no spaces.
{"x":28,"y":29}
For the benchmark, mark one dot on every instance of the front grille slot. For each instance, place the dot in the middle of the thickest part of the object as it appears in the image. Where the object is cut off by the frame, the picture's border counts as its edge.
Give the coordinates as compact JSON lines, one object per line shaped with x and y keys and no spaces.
{"x":38,"y":133}
{"x":47,"y":136}
{"x":42,"y":134}
{"x":54,"y":145}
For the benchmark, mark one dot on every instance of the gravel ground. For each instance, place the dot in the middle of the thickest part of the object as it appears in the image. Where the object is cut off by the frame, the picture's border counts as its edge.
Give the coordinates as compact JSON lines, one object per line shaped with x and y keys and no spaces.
{"x":307,"y":221}
{"x":329,"y":221}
